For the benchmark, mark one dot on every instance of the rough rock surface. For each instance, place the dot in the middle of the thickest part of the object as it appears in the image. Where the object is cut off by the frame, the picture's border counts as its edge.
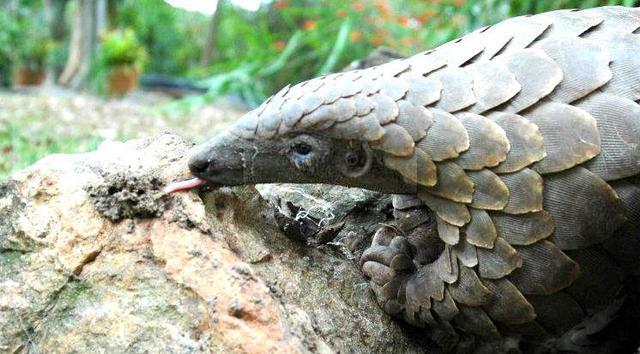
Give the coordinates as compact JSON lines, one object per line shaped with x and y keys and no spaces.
{"x":94,"y":258}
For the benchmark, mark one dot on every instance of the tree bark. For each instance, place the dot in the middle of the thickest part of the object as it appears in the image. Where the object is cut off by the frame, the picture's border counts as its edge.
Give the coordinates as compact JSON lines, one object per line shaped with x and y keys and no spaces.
{"x":54,"y":14}
{"x":209,"y":52}
{"x":88,"y":23}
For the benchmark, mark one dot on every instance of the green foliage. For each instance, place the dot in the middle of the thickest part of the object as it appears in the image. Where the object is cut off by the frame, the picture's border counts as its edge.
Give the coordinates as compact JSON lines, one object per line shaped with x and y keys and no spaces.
{"x":258,"y":53}
{"x":291,"y":41}
{"x":118,"y":48}
{"x":32,"y":41}
{"x":59,"y":54}
{"x":35,"y":48}
{"x":24,"y":39}
{"x":173,"y":37}
{"x":122,"y":48}
{"x":9,"y":29}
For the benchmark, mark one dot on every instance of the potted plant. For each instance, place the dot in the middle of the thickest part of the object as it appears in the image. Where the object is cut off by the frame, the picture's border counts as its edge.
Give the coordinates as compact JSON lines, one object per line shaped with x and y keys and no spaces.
{"x":31,"y":56}
{"x":124,"y":57}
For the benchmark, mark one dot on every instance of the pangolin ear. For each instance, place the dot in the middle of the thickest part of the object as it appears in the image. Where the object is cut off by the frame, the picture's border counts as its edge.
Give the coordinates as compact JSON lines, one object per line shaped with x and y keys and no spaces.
{"x":355,"y":161}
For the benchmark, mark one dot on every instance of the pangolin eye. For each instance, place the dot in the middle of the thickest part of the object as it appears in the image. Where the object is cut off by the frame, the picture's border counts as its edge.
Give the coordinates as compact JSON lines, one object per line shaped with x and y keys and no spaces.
{"x":352,"y":159}
{"x":302,"y":149}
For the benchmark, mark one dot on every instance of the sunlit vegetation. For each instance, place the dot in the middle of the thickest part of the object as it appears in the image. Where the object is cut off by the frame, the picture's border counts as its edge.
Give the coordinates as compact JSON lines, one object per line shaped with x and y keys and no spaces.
{"x":245,"y":55}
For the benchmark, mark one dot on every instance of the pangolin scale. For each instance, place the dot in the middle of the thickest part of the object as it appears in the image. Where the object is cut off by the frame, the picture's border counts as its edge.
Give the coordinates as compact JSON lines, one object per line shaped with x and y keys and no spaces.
{"x":523,"y":139}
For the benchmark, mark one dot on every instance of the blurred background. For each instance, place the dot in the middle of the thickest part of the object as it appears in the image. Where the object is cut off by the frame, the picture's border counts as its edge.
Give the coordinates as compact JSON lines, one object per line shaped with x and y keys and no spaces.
{"x":74,"y":73}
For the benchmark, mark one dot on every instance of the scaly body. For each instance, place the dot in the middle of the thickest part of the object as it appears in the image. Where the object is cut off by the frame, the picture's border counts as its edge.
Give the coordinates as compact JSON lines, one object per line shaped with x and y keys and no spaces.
{"x":523,"y":138}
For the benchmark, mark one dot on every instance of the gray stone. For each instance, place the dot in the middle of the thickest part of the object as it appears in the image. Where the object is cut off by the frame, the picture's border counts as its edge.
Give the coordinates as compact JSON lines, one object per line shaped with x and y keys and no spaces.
{"x":86,"y":270}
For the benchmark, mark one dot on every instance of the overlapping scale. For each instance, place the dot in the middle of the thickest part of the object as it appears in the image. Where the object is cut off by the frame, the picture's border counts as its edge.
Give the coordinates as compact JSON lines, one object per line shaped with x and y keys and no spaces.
{"x":418,"y":168}
{"x":488,"y":143}
{"x":416,"y":120}
{"x":422,"y":91}
{"x":525,"y":192}
{"x":619,"y":127}
{"x":522,"y":230}
{"x":545,"y":269}
{"x":466,"y":253}
{"x":586,"y":209}
{"x":512,"y":189}
{"x":395,"y":141}
{"x":493,"y":85}
{"x":499,"y":261}
{"x":452,"y":183}
{"x":570,"y":23}
{"x":625,"y":81}
{"x":489,"y":191}
{"x":525,"y":141}
{"x":507,"y":304}
{"x":446,"y":138}
{"x":457,"y":89}
{"x":448,"y":233}
{"x":537,"y":74}
{"x":454,"y":213}
{"x":480,"y":231}
{"x":584,"y":64}
{"x":570,"y":136}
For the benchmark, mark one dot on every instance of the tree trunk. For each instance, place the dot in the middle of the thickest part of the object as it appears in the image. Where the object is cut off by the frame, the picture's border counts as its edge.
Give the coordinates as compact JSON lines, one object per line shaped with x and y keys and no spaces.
{"x":54,"y":13}
{"x":88,"y":24}
{"x":208,"y":52}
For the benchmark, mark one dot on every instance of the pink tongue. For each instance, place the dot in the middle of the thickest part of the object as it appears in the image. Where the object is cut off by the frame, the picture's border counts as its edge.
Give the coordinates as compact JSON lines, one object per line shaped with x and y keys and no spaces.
{"x":184,"y":185}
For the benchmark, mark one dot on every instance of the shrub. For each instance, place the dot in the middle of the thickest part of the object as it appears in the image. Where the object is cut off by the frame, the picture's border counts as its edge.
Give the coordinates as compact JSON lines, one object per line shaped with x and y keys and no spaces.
{"x":122,"y":48}
{"x":289,"y":41}
{"x":35,"y":49}
{"x":173,"y":38}
{"x":8,"y":32}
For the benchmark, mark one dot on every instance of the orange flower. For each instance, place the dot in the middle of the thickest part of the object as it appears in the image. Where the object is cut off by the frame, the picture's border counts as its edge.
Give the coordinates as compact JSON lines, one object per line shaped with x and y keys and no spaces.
{"x":282,"y":4}
{"x":341,"y":12}
{"x":377,"y":40}
{"x":309,"y":25}
{"x":280,"y":45}
{"x":404,"y":21}
{"x":358,"y":6}
{"x":356,"y":36}
{"x":426,"y":16}
{"x":383,"y":8}
{"x":458,"y":3}
{"x":407,"y":41}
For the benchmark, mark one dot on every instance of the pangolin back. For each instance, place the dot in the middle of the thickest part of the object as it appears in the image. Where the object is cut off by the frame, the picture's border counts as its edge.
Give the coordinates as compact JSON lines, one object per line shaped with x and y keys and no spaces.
{"x":524,"y":140}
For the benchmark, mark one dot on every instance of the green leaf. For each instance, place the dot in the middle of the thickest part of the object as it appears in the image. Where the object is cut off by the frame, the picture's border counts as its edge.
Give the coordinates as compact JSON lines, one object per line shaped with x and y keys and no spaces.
{"x":281,"y":61}
{"x":338,"y":48}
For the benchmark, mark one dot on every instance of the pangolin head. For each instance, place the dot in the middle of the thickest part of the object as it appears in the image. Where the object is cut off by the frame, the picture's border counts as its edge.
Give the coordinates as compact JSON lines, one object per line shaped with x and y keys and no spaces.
{"x":325,"y":130}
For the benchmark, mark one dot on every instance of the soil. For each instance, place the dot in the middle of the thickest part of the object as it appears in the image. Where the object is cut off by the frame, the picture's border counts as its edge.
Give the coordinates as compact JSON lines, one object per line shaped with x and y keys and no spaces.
{"x":139,"y":114}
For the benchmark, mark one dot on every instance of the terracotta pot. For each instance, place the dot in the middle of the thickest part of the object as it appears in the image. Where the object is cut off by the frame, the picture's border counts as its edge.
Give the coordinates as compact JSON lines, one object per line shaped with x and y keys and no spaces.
{"x":122,"y":80}
{"x":25,"y":76}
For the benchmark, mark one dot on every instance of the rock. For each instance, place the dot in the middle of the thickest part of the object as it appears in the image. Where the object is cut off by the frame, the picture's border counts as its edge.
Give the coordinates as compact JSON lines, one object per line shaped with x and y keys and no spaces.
{"x":319,"y":214}
{"x":94,"y":258}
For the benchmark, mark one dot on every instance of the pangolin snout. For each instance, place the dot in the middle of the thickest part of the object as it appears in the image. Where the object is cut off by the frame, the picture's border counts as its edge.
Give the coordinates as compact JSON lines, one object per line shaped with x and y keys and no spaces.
{"x":220,"y":160}
{"x":199,"y":163}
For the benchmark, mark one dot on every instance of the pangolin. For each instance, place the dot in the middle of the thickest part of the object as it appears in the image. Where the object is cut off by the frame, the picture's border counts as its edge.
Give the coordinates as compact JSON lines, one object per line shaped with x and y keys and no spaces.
{"x":521,"y":138}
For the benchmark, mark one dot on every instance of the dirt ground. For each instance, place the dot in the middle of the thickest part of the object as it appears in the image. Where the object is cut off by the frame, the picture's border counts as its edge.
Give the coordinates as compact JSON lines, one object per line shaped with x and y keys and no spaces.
{"x":140,"y":114}
{"x":45,"y":120}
